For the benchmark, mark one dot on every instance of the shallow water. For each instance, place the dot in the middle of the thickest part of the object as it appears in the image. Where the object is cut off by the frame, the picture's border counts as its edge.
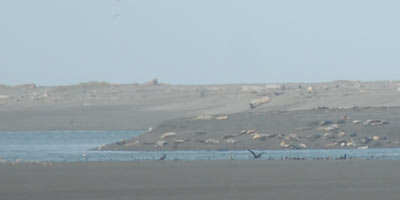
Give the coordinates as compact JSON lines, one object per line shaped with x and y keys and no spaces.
{"x":71,"y":146}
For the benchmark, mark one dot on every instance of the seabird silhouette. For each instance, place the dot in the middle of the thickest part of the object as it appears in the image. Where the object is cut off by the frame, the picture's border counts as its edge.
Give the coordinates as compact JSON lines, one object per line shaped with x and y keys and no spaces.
{"x":163,"y":157}
{"x":254,"y":154}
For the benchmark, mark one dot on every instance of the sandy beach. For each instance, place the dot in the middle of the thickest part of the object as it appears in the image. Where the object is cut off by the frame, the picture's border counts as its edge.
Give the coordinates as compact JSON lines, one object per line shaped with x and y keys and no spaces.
{"x":309,"y":129}
{"x":199,"y":100}
{"x":303,"y":180}
{"x":339,"y":114}
{"x":105,"y":106}
{"x":101,"y":105}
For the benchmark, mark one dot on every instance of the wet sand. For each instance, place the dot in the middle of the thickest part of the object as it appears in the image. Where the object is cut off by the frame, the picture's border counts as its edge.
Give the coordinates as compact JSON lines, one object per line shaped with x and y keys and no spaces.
{"x":302,"y":180}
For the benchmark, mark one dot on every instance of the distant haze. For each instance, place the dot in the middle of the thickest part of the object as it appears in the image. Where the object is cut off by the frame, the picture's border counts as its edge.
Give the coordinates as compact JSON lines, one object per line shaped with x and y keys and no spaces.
{"x":53,"y":42}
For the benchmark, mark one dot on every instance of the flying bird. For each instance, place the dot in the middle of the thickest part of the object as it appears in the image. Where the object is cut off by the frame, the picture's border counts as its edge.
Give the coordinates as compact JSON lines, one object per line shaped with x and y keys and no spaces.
{"x":254,"y":154}
{"x":163,"y":157}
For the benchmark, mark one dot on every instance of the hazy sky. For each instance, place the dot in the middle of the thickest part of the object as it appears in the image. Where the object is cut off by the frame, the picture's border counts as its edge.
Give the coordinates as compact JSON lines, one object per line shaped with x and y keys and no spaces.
{"x":53,"y":42}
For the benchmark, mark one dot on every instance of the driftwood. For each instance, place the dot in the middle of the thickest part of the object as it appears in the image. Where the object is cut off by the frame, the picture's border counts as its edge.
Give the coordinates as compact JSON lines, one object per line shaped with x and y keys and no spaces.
{"x":230,"y":141}
{"x":161,"y":143}
{"x":203,"y":117}
{"x":169,"y":134}
{"x":258,"y":102}
{"x":212,"y":141}
{"x":27,"y":86}
{"x":375,"y":122}
{"x":153,"y":82}
{"x":222,"y":117}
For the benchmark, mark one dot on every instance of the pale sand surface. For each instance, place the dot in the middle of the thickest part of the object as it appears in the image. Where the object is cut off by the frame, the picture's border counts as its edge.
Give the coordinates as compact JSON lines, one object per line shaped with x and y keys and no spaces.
{"x":302,"y":180}
{"x":291,"y":119}
{"x":99,"y":105}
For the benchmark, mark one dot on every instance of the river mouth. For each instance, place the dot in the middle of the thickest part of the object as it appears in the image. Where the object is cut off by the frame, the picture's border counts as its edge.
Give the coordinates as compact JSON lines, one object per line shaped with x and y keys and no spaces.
{"x":75,"y":146}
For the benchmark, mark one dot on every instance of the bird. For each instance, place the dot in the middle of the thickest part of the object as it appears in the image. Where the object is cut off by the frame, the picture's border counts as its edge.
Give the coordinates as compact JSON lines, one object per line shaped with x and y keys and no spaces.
{"x":254,"y":154}
{"x":163,"y":157}
{"x":84,"y":156}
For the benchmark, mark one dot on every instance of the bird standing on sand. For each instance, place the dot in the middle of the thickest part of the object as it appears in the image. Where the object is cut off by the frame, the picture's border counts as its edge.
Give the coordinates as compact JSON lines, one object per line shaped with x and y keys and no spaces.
{"x":85,"y":156}
{"x":254,"y":154}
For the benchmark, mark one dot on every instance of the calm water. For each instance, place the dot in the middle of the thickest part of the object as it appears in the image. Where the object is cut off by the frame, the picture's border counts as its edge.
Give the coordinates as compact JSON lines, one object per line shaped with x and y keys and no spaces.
{"x":69,"y":146}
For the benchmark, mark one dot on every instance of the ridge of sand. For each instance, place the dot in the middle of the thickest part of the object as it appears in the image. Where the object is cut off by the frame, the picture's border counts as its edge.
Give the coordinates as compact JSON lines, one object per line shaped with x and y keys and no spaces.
{"x":323,"y":128}
{"x":104,"y":106}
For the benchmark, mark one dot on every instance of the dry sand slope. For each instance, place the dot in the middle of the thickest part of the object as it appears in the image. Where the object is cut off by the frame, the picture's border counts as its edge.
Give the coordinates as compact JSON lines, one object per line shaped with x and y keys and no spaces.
{"x":319,"y":128}
{"x":290,"y":115}
{"x":98,"y":105}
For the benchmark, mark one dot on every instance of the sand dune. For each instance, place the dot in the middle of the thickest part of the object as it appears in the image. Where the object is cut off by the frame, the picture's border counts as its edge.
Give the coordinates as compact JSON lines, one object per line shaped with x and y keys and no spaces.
{"x":281,"y":114}
{"x":100,"y":105}
{"x":318,"y":129}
